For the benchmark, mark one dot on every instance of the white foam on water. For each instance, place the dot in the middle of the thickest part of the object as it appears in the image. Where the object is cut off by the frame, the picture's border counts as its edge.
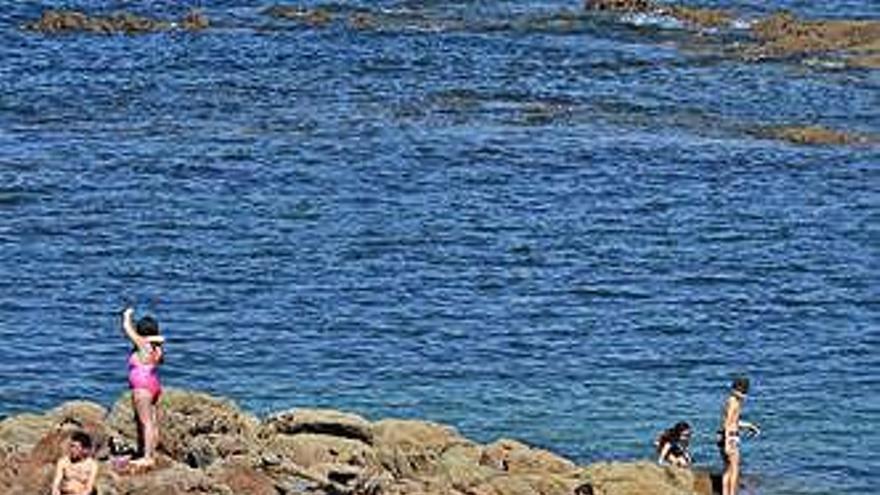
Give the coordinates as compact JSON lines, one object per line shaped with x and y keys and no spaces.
{"x":650,"y":19}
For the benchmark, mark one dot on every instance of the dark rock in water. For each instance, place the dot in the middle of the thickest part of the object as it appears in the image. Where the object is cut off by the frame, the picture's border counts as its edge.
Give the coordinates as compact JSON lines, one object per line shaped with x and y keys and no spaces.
{"x":813,"y":135}
{"x":693,"y":16}
{"x":620,"y":5}
{"x":705,"y":18}
{"x":362,"y":21}
{"x":59,"y":21}
{"x":783,"y":34}
{"x":315,"y":17}
{"x":195,"y":20}
{"x":69,"y":21}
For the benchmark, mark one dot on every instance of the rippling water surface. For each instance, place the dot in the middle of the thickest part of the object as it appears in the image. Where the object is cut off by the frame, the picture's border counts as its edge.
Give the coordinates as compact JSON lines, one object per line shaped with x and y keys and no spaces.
{"x":512,"y":217}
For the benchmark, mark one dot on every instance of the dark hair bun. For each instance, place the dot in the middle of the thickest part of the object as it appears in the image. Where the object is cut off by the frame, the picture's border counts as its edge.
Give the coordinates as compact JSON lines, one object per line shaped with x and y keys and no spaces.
{"x":147,"y":326}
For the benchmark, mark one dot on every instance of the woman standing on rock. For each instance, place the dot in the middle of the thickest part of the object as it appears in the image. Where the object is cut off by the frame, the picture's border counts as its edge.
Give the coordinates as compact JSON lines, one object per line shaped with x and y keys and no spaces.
{"x":728,"y":434}
{"x":143,"y":378}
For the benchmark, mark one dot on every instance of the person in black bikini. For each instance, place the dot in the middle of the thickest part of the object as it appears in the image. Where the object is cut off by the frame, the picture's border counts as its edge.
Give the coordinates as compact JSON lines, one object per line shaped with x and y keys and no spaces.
{"x":673,"y":445}
{"x":728,"y":434}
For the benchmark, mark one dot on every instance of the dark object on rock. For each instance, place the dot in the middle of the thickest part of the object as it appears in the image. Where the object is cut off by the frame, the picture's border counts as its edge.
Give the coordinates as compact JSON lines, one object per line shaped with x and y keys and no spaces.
{"x":585,"y":489}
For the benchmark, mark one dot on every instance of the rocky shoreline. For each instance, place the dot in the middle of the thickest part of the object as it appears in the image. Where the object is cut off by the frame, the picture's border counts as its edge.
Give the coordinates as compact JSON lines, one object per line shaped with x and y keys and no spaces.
{"x":210,"y":446}
{"x":821,"y":44}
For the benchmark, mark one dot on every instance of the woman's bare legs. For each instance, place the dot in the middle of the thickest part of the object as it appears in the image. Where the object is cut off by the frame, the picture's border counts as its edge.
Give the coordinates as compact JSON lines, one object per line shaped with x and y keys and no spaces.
{"x":730,"y":480}
{"x":144,"y":409}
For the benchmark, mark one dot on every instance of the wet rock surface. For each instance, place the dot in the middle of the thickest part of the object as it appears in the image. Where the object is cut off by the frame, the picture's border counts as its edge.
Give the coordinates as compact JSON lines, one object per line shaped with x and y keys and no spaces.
{"x":209,"y":446}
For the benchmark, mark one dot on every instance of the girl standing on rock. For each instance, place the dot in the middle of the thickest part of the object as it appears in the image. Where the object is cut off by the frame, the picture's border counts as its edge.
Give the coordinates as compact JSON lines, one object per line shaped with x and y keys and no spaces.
{"x":143,"y":378}
{"x":728,"y":434}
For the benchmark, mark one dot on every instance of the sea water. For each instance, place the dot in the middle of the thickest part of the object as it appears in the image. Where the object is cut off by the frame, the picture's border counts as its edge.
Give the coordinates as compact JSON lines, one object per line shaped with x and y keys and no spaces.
{"x":510,"y":217}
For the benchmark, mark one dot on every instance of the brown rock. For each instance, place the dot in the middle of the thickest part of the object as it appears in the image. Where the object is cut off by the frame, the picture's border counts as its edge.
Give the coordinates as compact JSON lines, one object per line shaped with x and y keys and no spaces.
{"x":316,"y":17}
{"x":195,"y":20}
{"x":815,"y":135}
{"x":362,"y":21}
{"x":409,"y":448}
{"x":68,"y":21}
{"x":864,"y":61}
{"x":221,"y":427}
{"x":527,"y":484}
{"x":322,"y":421}
{"x":705,"y":18}
{"x":459,"y":467}
{"x":22,"y":432}
{"x":242,"y":478}
{"x":311,"y":450}
{"x":783,"y":34}
{"x":513,"y":456}
{"x":176,"y":479}
{"x":639,"y":478}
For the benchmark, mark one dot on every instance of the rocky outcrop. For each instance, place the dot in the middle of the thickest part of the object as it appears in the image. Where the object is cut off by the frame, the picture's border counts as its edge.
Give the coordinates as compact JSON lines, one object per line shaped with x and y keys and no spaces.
{"x":71,"y":21}
{"x":691,"y":16}
{"x":209,"y":446}
{"x":783,"y":34}
{"x":314,"y":17}
{"x":814,"y":135}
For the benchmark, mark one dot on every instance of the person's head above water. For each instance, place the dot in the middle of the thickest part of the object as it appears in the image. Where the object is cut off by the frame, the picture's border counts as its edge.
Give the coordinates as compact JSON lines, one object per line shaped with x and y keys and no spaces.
{"x":147,"y":326}
{"x":741,"y":385}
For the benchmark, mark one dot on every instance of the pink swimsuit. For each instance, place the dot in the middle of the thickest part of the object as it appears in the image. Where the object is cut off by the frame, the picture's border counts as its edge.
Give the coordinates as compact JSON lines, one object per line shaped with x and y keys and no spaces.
{"x":143,"y":376}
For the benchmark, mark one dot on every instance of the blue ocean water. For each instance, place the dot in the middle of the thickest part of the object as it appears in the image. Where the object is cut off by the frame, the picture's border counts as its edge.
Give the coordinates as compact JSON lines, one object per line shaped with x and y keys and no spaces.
{"x":511,"y":217}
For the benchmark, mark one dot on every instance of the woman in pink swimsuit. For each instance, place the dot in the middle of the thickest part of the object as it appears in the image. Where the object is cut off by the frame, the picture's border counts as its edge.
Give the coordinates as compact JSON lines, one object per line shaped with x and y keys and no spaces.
{"x":143,"y":378}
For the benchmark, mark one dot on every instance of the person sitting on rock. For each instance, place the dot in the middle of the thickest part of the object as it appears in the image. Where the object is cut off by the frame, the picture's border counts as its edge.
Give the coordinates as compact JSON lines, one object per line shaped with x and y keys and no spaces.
{"x":673,"y":445}
{"x":76,"y":472}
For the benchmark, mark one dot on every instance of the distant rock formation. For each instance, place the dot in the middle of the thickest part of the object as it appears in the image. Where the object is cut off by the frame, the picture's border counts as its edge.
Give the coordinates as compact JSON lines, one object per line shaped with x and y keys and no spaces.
{"x":693,"y":16}
{"x":71,"y":21}
{"x":209,"y":446}
{"x":784,"y":35}
{"x":815,"y":135}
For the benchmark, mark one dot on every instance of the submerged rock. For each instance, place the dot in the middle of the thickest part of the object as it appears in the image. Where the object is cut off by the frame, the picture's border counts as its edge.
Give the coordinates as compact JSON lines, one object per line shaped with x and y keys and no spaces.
{"x":315,"y":17}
